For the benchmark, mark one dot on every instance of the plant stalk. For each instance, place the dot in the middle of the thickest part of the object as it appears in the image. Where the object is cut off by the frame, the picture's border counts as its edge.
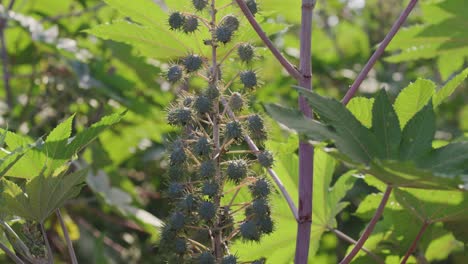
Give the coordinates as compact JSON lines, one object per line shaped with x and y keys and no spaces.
{"x":50,"y":256}
{"x":11,"y":254}
{"x":71,"y":251}
{"x":370,"y":227}
{"x":380,"y":50}
{"x":349,"y":239}
{"x":416,"y":241}
{"x":306,"y":151}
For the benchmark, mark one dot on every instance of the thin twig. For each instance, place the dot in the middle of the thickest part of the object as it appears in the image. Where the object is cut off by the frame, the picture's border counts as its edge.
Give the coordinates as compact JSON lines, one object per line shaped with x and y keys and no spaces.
{"x":380,"y":50}
{"x":71,"y":251}
{"x":253,"y":22}
{"x":370,"y":227}
{"x":349,"y":239}
{"x":11,"y":254}
{"x":413,"y":246}
{"x":50,"y":256}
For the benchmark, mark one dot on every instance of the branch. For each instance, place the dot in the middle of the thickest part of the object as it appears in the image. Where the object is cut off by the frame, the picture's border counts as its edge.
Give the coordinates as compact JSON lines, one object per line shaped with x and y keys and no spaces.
{"x":50,"y":256}
{"x":253,"y":22}
{"x":10,"y":253}
{"x":272,"y":173}
{"x":416,"y":241}
{"x":380,"y":50}
{"x":369,"y":228}
{"x":71,"y":251}
{"x":346,"y":238}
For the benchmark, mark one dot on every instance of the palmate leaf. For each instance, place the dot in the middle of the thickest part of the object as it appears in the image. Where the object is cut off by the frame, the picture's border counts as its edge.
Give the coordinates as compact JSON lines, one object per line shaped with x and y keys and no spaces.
{"x":361,"y":108}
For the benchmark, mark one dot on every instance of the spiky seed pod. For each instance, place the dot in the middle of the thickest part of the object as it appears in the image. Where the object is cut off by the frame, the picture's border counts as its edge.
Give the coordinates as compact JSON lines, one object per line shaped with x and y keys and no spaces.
{"x":190,"y":24}
{"x":245,"y":52}
{"x":203,"y":147}
{"x":260,"y":188}
{"x":180,"y":245}
{"x":206,"y":258}
{"x":202,"y":104}
{"x":175,"y":73}
{"x":265,"y":158}
{"x":192,"y":63}
{"x":176,"y":20}
{"x":236,"y":102}
{"x":179,"y":116}
{"x":212,"y":92}
{"x":260,"y":208}
{"x":265,"y":225}
{"x":249,"y":231}
{"x":177,"y":221}
{"x":175,"y":190}
{"x":176,"y":172}
{"x":210,"y":188}
{"x":226,"y":220}
{"x":252,"y":5}
{"x":259,"y":261}
{"x":230,"y":259}
{"x":248,"y":79}
{"x":199,"y":4}
{"x":188,"y":203}
{"x":207,"y":210}
{"x":187,"y":102}
{"x":237,"y":170}
{"x":178,"y":156}
{"x":256,"y":127}
{"x":223,"y":34}
{"x":168,"y":234}
{"x":207,"y":169}
{"x":230,"y":22}
{"x":233,"y":130}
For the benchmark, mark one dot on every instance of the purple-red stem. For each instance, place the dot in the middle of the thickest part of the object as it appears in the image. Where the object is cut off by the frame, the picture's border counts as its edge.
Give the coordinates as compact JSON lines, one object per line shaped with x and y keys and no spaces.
{"x":380,"y":50}
{"x":253,"y":22}
{"x":415,"y":241}
{"x":71,"y":251}
{"x":11,"y":254}
{"x":369,"y":228}
{"x":349,"y":239}
{"x":306,"y":151}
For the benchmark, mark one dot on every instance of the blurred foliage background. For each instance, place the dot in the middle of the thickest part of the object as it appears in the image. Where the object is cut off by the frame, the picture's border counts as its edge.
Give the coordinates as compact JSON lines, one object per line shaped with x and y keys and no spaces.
{"x":54,"y":69}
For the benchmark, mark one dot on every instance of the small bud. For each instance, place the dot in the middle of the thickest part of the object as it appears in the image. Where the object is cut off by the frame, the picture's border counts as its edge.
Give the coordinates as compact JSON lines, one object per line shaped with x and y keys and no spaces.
{"x":236,"y":102}
{"x":245,"y":52}
{"x":208,"y":169}
{"x":179,"y":116}
{"x":249,"y":231}
{"x":230,"y":22}
{"x":206,"y":258}
{"x":207,"y":211}
{"x":190,"y":24}
{"x":223,"y":34}
{"x":202,"y":104}
{"x":260,"y":188}
{"x":233,"y":130}
{"x":192,"y":63}
{"x":202,"y":147}
{"x":230,"y":259}
{"x":248,"y":79}
{"x":176,"y":20}
{"x":252,"y":5}
{"x":265,"y":158}
{"x":237,"y":170}
{"x":199,"y":4}
{"x":174,"y":74}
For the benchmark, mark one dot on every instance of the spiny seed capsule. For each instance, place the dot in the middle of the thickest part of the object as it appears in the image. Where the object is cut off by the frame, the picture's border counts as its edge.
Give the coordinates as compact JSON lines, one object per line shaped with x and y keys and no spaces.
{"x":212,"y":92}
{"x":178,"y":156}
{"x":190,"y":24}
{"x":188,"y":101}
{"x":230,"y":259}
{"x":168,"y":234}
{"x":199,"y":4}
{"x":176,"y":20}
{"x":192,"y":63}
{"x":236,"y":102}
{"x":245,"y":52}
{"x":252,"y":5}
{"x":177,"y":221}
{"x":230,"y":22}
{"x":265,"y":225}
{"x":210,"y":188}
{"x":260,"y":207}
{"x":260,"y":188}
{"x":206,"y":258}
{"x":175,"y":189}
{"x":180,"y":245}
{"x":259,"y":261}
{"x":208,"y":169}
{"x":249,"y":231}
{"x":265,"y":159}
{"x":202,"y":104}
{"x":176,"y":172}
{"x":256,"y":127}
{"x":174,"y":74}
{"x":223,"y":34}
{"x":202,"y":148}
{"x":207,"y":211}
{"x":236,"y":170}
{"x":233,"y":130}
{"x":179,"y":116}
{"x":188,"y":203}
{"x":248,"y":79}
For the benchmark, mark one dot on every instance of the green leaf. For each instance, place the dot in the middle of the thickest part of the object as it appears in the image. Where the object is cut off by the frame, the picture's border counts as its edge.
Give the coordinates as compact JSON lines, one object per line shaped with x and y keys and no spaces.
{"x":418,"y":134}
{"x":449,"y":87}
{"x":146,"y":12}
{"x":385,"y":125}
{"x":449,"y":159}
{"x":412,"y":99}
{"x":361,"y":108}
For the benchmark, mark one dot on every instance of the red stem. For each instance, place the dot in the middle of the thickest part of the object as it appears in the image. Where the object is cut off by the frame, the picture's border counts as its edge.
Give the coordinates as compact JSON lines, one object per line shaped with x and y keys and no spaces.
{"x":369,"y":228}
{"x":286,"y":64}
{"x":415,"y":241}
{"x":306,"y":151}
{"x":380,"y":50}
